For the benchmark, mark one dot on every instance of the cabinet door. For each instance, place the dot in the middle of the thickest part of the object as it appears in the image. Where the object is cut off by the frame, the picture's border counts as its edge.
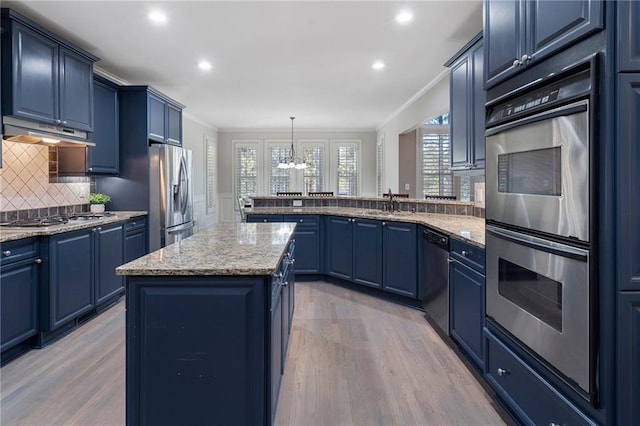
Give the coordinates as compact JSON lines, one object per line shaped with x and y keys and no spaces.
{"x":70,"y":276}
{"x":105,"y":156}
{"x":76,"y":90}
{"x":174,"y":125}
{"x":504,"y":33}
{"x":400,"y":243}
{"x":627,"y":171}
{"x":35,"y":75}
{"x":157,"y":119}
{"x":557,"y":24}
{"x":367,"y":252}
{"x":307,"y":250}
{"x":19,"y":284}
{"x":628,"y":36}
{"x":466,"y":292}
{"x":628,"y":358}
{"x":109,"y":255}
{"x":135,"y":244}
{"x":339,"y":255}
{"x":477,"y":147}
{"x":459,"y":112}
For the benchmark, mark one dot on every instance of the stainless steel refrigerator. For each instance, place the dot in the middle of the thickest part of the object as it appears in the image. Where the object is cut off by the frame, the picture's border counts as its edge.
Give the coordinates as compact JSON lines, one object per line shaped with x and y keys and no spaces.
{"x":155,"y":178}
{"x":170,"y":195}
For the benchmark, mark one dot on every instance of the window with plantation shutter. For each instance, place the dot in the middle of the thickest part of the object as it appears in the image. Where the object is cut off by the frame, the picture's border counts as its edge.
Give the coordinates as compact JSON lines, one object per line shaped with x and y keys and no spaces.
{"x":346,"y":155}
{"x":211,"y":171}
{"x":279,"y":179}
{"x":246,"y":168}
{"x":437,"y":178}
{"x":313,"y":175}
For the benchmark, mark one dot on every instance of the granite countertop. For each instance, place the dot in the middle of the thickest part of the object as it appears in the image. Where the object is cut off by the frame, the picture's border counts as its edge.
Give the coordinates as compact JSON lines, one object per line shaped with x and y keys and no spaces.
{"x":12,"y":233}
{"x":224,"y":249}
{"x":467,"y":228}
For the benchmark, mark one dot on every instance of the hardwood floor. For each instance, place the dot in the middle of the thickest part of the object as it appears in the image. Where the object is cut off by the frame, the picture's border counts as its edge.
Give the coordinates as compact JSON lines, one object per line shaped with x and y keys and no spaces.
{"x":353,"y":360}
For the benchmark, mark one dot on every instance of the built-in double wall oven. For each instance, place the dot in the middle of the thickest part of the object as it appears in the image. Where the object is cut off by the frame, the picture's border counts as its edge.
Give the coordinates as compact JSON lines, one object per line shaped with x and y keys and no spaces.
{"x":540,"y":216}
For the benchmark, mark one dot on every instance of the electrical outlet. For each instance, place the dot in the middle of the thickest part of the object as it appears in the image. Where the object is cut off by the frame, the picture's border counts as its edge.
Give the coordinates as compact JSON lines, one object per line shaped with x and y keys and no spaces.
{"x":83,"y":192}
{"x":297,"y":203}
{"x":407,"y":187}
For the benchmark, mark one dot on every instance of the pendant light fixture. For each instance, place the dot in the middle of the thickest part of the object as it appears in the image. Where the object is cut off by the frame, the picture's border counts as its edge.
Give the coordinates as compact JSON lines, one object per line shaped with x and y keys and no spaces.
{"x":291,"y":161}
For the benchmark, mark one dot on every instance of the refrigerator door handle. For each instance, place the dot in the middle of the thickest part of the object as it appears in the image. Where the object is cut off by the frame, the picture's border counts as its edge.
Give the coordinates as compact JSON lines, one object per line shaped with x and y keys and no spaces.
{"x":183,"y":184}
{"x":180,"y":228}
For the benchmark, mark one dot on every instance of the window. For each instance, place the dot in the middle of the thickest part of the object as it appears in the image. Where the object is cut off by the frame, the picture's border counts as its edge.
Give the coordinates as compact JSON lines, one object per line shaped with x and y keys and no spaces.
{"x":211,"y":171}
{"x":379,"y":165}
{"x":246,"y":164}
{"x":437,"y":178}
{"x":279,"y":179}
{"x":313,"y":175}
{"x":347,"y":173}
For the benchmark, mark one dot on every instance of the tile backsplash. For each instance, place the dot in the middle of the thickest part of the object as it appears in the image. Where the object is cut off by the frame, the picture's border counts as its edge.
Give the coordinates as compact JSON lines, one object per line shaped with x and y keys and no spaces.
{"x":24,"y":180}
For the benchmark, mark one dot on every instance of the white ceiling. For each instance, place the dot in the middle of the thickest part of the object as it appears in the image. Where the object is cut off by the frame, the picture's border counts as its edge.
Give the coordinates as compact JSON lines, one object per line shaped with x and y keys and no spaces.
{"x":270,"y":59}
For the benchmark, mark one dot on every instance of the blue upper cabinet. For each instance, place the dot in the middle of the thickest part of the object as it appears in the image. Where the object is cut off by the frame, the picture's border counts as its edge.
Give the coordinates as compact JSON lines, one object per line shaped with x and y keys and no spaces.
{"x":519,"y":33}
{"x":104,"y":158}
{"x":466,"y":116}
{"x":44,"y":78}
{"x":165,"y":120}
{"x":628,"y":36}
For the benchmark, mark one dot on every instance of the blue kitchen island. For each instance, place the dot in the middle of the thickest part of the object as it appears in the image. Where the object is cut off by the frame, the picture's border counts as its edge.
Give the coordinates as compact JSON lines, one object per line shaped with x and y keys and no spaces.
{"x":208,"y":320}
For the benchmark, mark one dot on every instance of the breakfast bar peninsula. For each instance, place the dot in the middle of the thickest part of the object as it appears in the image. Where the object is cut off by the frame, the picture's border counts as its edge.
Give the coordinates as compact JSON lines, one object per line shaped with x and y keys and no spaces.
{"x":208,"y":320}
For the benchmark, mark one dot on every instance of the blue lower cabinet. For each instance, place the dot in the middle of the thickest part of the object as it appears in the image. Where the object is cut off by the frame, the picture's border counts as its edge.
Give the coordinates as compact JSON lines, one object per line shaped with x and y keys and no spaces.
{"x":466,"y":297}
{"x":109,"y":255}
{"x":277,"y":344}
{"x":339,"y":254}
{"x":135,"y":239}
{"x":526,"y":394}
{"x":308,"y":237}
{"x":400,"y":254}
{"x":628,"y":358}
{"x":19,"y":284}
{"x":197,"y":351}
{"x":70,"y":292}
{"x":367,"y":252}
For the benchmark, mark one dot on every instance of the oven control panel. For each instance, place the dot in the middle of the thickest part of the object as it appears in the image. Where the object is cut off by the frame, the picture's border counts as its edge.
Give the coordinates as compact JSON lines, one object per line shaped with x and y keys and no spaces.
{"x":543,"y":98}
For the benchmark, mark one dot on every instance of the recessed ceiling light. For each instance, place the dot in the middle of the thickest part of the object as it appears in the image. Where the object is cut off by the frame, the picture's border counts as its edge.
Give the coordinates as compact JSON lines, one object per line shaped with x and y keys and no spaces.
{"x":204,"y":65}
{"x":378,"y":65}
{"x":404,"y":17}
{"x":157,"y":16}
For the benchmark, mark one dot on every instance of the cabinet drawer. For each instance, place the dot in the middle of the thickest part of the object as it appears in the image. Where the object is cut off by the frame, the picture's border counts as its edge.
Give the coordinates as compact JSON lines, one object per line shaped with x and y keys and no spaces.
{"x":135,"y":224}
{"x":14,"y":251}
{"x":251,"y":218}
{"x":528,"y":394}
{"x":303,"y":219}
{"x":468,"y":254}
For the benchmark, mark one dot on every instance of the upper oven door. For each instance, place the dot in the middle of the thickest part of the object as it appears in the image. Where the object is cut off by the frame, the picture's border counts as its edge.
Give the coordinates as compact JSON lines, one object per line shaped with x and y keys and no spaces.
{"x":538,"y":172}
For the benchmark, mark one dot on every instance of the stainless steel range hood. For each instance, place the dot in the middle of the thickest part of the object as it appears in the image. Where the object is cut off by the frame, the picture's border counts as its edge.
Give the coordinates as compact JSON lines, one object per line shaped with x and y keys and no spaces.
{"x":31,"y":132}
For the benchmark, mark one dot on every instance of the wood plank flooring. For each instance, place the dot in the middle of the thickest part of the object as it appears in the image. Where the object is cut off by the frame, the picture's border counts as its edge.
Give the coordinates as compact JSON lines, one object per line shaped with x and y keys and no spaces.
{"x":353,"y":360}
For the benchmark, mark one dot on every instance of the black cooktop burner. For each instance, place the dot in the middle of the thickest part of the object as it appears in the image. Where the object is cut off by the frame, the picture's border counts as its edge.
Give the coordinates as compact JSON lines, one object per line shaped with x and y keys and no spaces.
{"x":40,"y":222}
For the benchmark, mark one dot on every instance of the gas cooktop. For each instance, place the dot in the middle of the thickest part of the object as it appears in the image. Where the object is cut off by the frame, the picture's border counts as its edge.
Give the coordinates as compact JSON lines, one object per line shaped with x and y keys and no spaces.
{"x":40,"y":222}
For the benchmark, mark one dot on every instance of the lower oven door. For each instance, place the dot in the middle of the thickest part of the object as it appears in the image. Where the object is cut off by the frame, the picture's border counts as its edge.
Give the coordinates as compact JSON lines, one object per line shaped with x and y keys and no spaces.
{"x":538,"y":290}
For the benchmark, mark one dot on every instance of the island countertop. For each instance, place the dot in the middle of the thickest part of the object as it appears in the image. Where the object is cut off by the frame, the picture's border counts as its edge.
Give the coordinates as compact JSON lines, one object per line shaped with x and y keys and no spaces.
{"x":224,"y":249}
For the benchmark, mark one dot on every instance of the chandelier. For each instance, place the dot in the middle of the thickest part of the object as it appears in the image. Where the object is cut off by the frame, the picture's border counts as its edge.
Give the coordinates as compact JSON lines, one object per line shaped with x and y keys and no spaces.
{"x":291,"y":161}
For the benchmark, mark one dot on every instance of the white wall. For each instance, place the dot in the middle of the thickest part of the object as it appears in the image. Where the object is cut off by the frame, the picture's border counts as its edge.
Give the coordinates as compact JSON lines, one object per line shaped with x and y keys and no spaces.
{"x":433,"y":102}
{"x":194,"y":135}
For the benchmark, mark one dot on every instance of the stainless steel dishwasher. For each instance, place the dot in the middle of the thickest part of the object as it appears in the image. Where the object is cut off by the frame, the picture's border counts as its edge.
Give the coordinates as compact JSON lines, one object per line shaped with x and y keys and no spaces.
{"x":435,"y":278}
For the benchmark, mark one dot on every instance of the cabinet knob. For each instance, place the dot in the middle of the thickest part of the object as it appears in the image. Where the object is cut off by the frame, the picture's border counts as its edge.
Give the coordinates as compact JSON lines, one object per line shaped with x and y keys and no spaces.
{"x":264,"y":220}
{"x":465,"y":253}
{"x":133,"y":224}
{"x":301,"y":220}
{"x":285,"y":283}
{"x":58,"y":121}
{"x":6,"y":253}
{"x":502,"y":372}
{"x":99,"y":228}
{"x":554,"y":424}
{"x":517,"y":63}
{"x":525,"y":58}
{"x":384,"y":223}
{"x":38,"y":260}
{"x":449,"y":260}
{"x":64,"y":121}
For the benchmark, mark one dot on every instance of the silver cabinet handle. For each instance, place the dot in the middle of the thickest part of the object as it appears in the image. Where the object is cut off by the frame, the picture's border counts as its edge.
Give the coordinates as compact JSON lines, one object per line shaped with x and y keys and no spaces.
{"x":38,"y":260}
{"x":517,"y":63}
{"x":554,"y":424}
{"x":502,"y":372}
{"x":525,"y":58}
{"x":6,"y":253}
{"x":465,"y":253}
{"x":285,"y":283}
{"x":90,"y":169}
{"x":449,"y":260}
{"x":301,"y":221}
